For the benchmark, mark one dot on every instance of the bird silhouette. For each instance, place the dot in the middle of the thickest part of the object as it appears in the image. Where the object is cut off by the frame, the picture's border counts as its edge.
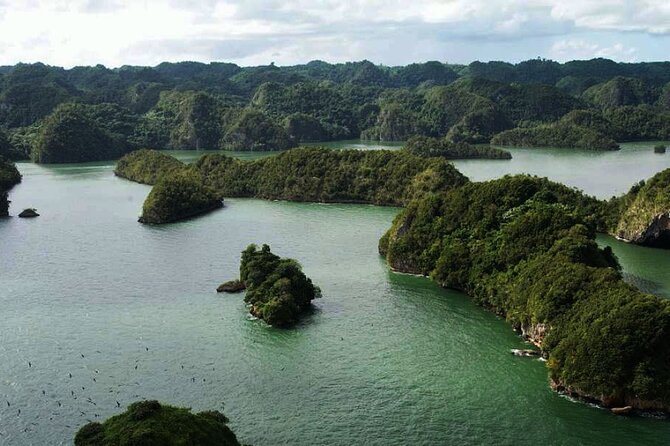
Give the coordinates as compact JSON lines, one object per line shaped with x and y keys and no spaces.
{"x":118,"y":404}
{"x":30,"y":364}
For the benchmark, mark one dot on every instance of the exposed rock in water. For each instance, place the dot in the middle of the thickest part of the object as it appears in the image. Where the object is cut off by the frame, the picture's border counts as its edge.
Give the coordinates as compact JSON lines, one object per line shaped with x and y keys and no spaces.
{"x":29,"y":213}
{"x":232,"y":286}
{"x":525,"y":352}
{"x":621,"y":410}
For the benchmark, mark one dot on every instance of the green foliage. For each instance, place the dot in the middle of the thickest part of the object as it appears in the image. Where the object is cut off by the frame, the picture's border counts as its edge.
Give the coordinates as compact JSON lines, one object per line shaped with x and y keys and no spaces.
{"x":149,"y":423}
{"x":178,"y":196}
{"x":660,"y":148}
{"x":479,"y":126}
{"x":9,"y":174}
{"x":71,"y":134}
{"x":620,"y":91}
{"x":327,"y":103}
{"x":322,"y":175}
{"x":635,"y":123}
{"x":277,"y":289}
{"x":525,"y":248}
{"x":146,"y":166}
{"x":9,"y":177}
{"x":560,"y":134}
{"x":183,"y":120}
{"x":255,"y":131}
{"x":380,"y":177}
{"x":430,"y":147}
{"x":191,"y":105}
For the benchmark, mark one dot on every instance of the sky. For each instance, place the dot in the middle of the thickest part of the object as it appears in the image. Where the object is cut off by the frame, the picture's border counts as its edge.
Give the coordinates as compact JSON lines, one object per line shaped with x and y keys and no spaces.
{"x":390,"y":32}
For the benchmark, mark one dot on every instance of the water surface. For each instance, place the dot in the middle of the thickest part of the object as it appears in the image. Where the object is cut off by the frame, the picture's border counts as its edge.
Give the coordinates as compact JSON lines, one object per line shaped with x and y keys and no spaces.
{"x":385,"y":359}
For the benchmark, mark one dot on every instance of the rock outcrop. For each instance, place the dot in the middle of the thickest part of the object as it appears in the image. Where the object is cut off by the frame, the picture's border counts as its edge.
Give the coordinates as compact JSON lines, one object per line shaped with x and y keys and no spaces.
{"x":646,"y":221}
{"x":232,"y":286}
{"x":29,"y":213}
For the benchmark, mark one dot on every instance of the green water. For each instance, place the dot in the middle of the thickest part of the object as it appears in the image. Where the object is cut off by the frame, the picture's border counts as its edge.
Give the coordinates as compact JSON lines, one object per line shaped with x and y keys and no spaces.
{"x":385,"y":359}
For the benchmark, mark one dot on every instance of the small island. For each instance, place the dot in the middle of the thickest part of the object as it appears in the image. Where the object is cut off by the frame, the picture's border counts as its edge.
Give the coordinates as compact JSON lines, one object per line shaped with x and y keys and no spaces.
{"x":561,"y":134}
{"x":177,"y":197}
{"x":429,"y":147}
{"x":145,"y":166}
{"x":277,"y":289}
{"x":152,"y":423}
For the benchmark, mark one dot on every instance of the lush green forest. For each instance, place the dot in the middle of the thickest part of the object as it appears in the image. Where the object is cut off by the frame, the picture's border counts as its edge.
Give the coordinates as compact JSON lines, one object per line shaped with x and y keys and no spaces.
{"x":430,"y":147}
{"x":150,"y":423}
{"x":525,"y":248}
{"x":178,"y":196}
{"x":191,"y":105}
{"x":9,"y":177}
{"x":277,"y":289}
{"x":380,"y":177}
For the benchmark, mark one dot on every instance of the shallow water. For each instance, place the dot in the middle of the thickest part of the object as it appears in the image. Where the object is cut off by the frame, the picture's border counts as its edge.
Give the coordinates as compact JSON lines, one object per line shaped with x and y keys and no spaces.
{"x":385,"y":359}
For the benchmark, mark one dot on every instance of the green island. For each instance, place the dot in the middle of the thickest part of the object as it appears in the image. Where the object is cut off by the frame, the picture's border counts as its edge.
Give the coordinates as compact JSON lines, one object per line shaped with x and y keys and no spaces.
{"x":150,"y":423}
{"x":53,"y":115}
{"x":525,"y":248}
{"x":277,"y":289}
{"x":381,"y":177}
{"x":177,"y":197}
{"x":146,"y":166}
{"x":9,"y":177}
{"x":430,"y":147}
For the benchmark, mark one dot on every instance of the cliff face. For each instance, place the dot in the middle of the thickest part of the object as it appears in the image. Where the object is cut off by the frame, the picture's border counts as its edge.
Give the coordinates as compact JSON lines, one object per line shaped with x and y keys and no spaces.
{"x":647,"y":220}
{"x":656,"y":233}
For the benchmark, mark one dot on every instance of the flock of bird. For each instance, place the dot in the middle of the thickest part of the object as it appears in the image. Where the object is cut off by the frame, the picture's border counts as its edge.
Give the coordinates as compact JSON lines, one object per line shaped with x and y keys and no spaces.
{"x":77,"y":393}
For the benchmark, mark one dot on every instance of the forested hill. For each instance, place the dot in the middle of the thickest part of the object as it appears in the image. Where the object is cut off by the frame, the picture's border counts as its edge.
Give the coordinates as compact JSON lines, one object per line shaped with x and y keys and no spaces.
{"x":191,"y":105}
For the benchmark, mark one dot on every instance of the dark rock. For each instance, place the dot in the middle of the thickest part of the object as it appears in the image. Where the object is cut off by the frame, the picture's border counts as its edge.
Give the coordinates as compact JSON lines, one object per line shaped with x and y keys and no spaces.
{"x":232,"y":286}
{"x":29,"y":213}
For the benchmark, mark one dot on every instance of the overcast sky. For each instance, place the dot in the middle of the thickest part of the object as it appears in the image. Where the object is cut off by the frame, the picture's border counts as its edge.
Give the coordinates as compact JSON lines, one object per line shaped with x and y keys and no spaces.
{"x":390,"y":32}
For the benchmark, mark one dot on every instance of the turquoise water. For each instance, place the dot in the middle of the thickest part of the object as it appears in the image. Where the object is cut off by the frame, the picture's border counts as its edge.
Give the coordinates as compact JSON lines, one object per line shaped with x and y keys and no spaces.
{"x":602,"y":174}
{"x":385,"y":359}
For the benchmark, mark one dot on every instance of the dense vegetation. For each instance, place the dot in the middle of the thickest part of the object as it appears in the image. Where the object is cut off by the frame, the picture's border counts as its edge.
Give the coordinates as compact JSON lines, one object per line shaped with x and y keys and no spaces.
{"x":644,"y":213}
{"x":146,"y":166}
{"x":9,"y":177}
{"x":277,"y":289}
{"x":207,"y":106}
{"x":72,"y":134}
{"x":315,"y":174}
{"x":525,"y":248}
{"x":429,"y":147}
{"x":559,"y":134}
{"x":149,"y":423}
{"x":178,"y":196}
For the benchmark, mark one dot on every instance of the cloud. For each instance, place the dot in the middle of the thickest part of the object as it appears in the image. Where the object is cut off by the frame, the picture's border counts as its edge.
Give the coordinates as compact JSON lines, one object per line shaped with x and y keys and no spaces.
{"x":571,"y":49}
{"x":117,"y":32}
